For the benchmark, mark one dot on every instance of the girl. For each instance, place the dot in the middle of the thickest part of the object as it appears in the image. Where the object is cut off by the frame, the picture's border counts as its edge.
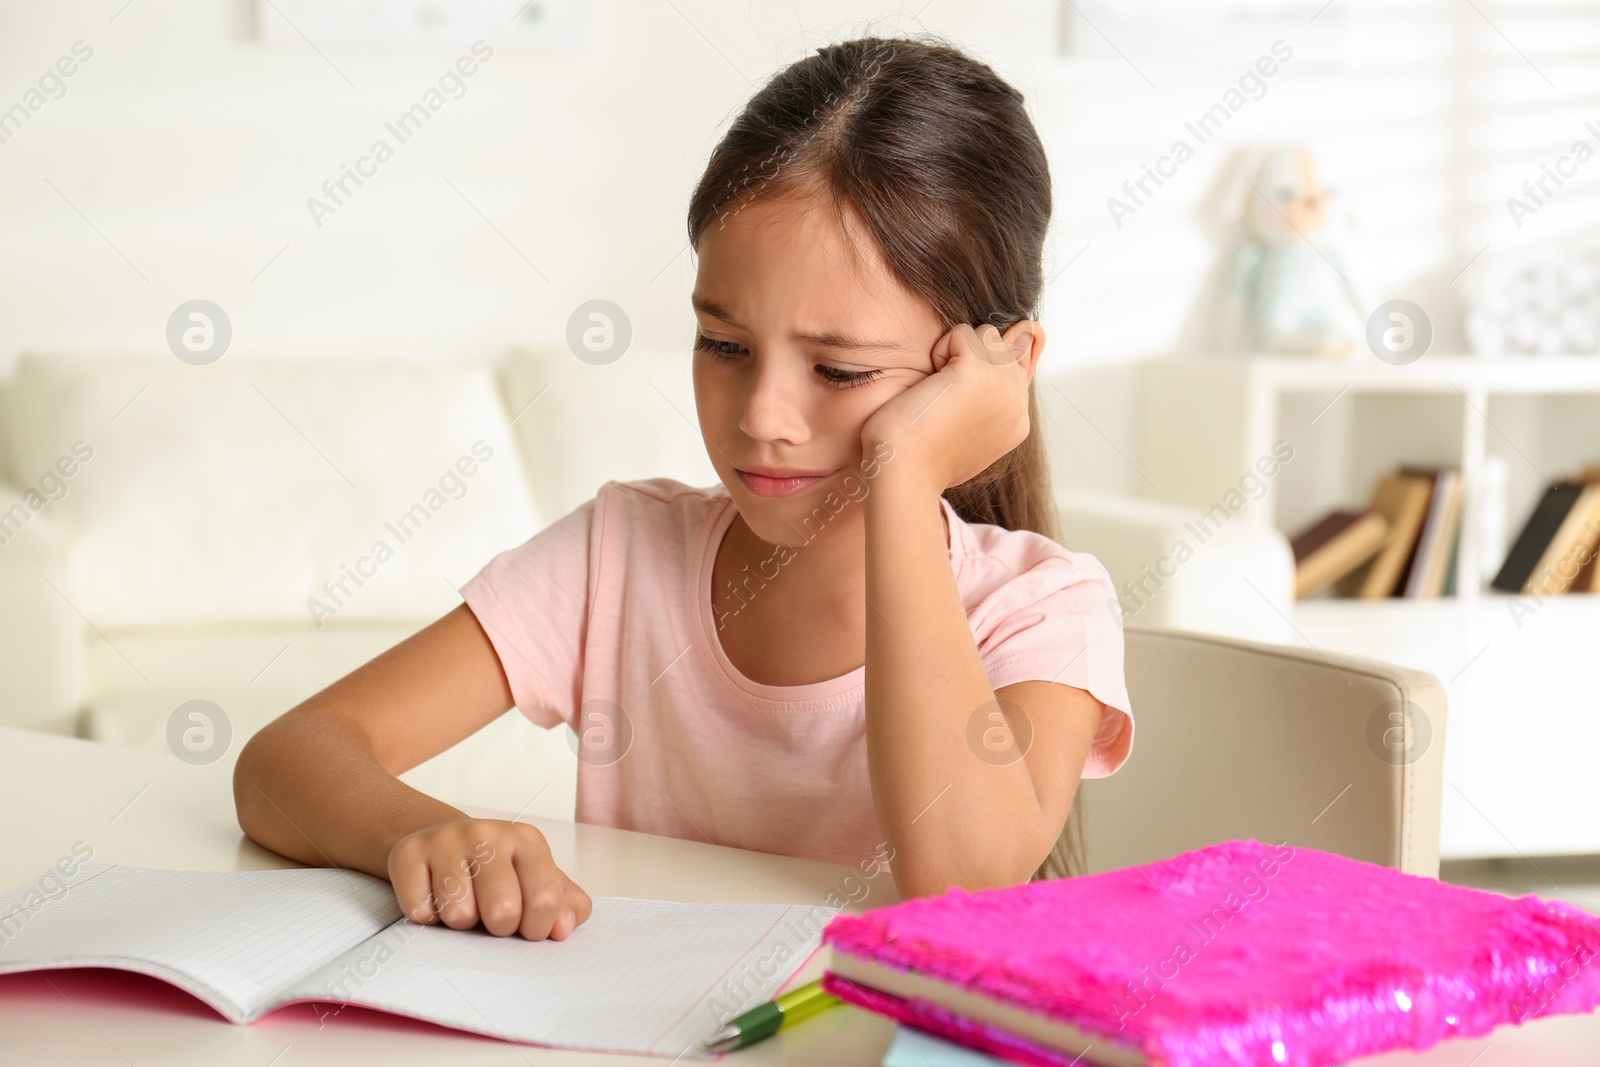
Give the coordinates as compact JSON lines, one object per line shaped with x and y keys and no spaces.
{"x":866,"y":646}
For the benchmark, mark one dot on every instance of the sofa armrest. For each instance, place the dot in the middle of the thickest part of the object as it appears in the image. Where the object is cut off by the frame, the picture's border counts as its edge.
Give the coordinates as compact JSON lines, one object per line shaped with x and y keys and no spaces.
{"x":41,"y":675}
{"x":1175,"y":569}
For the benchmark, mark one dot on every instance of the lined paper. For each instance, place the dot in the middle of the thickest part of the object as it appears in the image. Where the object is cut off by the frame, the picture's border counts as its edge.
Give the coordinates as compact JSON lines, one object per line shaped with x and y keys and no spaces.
{"x":235,"y":939}
{"x":640,"y":976}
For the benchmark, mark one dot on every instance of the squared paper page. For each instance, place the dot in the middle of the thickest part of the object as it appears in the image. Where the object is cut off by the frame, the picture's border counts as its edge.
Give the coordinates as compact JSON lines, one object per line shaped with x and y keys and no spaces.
{"x":640,"y":976}
{"x":236,"y":939}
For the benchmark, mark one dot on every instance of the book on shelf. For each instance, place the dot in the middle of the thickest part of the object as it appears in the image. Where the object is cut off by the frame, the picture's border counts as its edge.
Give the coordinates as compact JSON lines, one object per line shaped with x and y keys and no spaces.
{"x":1402,"y":499}
{"x":1426,"y":572}
{"x":1587,"y":580}
{"x":1407,"y":542}
{"x":1563,"y":531}
{"x":1334,"y":546}
{"x":1454,"y":565}
{"x":1573,"y":544}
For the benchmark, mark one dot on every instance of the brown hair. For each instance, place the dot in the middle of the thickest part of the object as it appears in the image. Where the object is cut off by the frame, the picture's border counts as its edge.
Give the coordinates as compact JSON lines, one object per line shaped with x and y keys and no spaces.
{"x":936,"y":157}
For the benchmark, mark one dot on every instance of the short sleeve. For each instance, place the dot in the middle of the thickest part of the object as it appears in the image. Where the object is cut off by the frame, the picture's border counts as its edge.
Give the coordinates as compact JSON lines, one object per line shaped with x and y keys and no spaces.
{"x":533,"y":602}
{"x":1057,"y":619}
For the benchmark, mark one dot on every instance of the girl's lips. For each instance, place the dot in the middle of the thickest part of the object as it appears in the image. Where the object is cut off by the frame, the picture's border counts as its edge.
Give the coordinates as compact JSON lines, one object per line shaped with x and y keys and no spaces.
{"x":761,"y":485}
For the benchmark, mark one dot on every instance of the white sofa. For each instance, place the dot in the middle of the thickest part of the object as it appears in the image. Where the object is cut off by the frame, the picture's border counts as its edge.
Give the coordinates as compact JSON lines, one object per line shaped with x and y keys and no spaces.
{"x":1238,"y":582}
{"x":193,"y":517}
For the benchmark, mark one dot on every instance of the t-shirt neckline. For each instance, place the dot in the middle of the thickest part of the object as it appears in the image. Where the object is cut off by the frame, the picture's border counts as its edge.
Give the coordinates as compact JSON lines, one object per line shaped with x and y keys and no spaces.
{"x":829,"y":690}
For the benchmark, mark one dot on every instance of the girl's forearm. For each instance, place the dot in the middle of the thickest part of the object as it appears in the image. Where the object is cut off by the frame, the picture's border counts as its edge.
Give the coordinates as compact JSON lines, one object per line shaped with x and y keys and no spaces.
{"x":953,"y":818}
{"x":310,"y":787}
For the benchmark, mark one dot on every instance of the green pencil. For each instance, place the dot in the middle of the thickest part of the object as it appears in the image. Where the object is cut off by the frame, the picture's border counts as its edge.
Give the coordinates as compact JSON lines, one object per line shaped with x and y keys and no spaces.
{"x":764,"y":1020}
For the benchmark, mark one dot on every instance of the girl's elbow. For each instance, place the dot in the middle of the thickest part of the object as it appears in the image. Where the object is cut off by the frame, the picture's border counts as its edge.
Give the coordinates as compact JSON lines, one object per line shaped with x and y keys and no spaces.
{"x":244,"y":778}
{"x":249,"y":773}
{"x":931,"y":883}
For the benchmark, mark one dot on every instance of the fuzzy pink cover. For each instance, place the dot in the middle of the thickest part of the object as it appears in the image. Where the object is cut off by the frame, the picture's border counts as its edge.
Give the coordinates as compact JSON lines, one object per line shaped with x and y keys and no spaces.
{"x":1240,"y":954}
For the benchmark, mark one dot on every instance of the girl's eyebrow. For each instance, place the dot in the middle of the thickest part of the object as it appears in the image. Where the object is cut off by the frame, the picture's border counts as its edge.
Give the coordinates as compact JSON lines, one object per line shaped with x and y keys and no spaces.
{"x":830,"y":339}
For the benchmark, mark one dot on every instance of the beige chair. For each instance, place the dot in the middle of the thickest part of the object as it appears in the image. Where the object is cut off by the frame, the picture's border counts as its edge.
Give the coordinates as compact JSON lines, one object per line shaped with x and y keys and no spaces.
{"x":1238,"y":739}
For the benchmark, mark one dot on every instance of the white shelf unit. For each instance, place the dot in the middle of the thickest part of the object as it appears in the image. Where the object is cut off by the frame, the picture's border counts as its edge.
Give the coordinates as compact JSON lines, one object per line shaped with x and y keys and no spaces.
{"x":1524,"y":724}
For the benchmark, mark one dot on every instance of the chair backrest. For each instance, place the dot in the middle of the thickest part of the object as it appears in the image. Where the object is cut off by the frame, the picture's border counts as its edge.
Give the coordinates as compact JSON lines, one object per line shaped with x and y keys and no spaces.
{"x":1239,"y":739}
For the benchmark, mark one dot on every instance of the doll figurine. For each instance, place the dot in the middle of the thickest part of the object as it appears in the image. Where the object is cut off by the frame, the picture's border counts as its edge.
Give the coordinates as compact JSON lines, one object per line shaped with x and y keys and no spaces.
{"x":1288,"y":292}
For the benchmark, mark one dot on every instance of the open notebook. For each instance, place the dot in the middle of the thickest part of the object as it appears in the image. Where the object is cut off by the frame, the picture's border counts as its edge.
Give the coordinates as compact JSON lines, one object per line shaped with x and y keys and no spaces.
{"x":640,"y":976}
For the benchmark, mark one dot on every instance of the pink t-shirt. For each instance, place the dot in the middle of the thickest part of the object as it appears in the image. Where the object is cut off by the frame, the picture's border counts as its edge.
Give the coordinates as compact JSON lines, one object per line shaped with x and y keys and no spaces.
{"x":609,"y":611}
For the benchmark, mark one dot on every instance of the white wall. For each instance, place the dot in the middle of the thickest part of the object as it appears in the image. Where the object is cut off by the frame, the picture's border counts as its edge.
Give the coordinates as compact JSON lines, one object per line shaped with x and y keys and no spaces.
{"x":187,"y":151}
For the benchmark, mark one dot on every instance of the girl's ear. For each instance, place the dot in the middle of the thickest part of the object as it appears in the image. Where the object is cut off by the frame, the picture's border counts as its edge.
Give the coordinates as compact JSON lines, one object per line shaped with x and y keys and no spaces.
{"x":1035,"y":347}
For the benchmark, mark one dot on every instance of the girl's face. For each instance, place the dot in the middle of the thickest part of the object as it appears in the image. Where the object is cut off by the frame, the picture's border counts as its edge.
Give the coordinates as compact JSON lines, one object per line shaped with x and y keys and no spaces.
{"x":799,"y":342}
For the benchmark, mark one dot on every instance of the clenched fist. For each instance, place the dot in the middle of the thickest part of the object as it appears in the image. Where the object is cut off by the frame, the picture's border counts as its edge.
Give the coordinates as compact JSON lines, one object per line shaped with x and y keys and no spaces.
{"x":491,"y":870}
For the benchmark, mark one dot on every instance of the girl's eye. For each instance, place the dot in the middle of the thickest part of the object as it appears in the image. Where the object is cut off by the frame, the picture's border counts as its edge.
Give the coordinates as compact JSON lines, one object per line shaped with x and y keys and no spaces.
{"x":706,"y":344}
{"x":726,"y":350}
{"x":845,"y":378}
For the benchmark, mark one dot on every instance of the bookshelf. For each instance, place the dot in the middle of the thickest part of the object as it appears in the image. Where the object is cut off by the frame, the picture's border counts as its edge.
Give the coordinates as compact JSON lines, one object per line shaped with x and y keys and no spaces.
{"x":1206,"y":420}
{"x":1523,"y":714}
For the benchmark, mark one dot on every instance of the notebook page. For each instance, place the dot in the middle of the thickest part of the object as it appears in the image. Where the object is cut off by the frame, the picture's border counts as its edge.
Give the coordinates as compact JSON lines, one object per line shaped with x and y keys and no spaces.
{"x":235,"y":939}
{"x":640,"y":976}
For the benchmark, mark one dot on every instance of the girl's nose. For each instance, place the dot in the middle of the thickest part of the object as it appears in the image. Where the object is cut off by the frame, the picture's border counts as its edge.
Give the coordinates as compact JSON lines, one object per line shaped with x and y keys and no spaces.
{"x":772,"y":408}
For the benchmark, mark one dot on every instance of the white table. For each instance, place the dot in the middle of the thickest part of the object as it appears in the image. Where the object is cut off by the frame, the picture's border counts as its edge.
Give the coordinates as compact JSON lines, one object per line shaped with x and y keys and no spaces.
{"x":151,"y":810}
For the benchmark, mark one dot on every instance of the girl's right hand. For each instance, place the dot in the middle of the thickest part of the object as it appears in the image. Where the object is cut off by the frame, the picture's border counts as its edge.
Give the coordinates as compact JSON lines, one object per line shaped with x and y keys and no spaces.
{"x":500,"y":872}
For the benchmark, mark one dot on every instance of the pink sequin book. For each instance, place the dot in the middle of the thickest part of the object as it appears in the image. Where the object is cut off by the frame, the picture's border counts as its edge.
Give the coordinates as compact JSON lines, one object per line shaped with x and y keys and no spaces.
{"x":1240,"y":954}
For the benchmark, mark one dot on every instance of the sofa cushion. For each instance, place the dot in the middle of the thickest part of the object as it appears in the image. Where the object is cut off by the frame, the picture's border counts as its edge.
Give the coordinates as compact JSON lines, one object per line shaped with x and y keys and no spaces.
{"x":253,"y":676}
{"x":267,"y":490}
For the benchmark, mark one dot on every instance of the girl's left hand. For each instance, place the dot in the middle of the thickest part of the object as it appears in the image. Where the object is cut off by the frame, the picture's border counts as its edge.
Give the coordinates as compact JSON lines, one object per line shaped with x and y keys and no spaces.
{"x":969,"y":412}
